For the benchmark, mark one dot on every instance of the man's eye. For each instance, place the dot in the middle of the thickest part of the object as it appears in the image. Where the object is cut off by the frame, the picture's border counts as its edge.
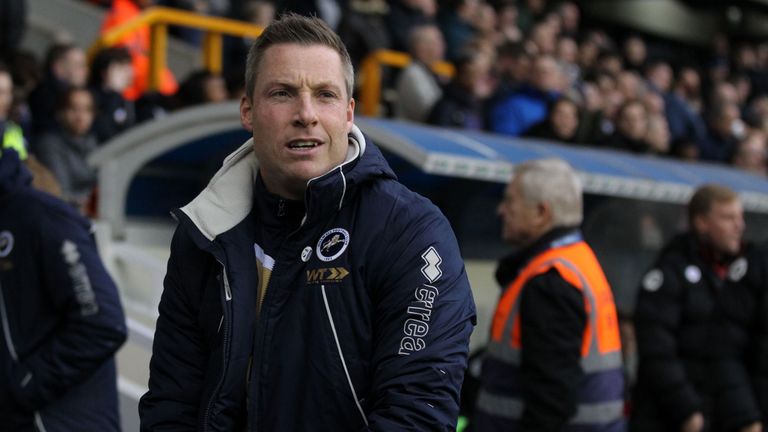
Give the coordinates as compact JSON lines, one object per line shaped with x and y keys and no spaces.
{"x":327,"y":94}
{"x":279,"y":93}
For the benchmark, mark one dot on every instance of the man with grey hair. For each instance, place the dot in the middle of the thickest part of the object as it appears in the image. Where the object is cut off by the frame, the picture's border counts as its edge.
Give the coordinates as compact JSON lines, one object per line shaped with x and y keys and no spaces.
{"x":553,"y":362}
{"x":308,"y":290}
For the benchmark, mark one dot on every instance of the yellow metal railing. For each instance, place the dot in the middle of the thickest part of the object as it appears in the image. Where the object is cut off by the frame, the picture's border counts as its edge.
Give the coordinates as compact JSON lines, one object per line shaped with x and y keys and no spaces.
{"x":370,"y":79}
{"x":159,"y":18}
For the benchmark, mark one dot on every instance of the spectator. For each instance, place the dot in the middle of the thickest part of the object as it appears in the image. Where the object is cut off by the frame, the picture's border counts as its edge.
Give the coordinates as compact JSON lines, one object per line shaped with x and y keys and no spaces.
{"x":683,"y":122}
{"x":757,"y":113}
{"x":631,"y":85}
{"x":562,"y":123}
{"x":457,"y":24}
{"x":506,"y":13}
{"x":658,"y":137}
{"x":137,"y":43}
{"x":514,"y":113}
{"x":631,"y":128}
{"x":743,"y":85}
{"x":364,"y":29}
{"x":111,"y":74}
{"x":688,"y":88}
{"x":543,"y":39}
{"x":751,"y":153}
{"x":64,"y":151}
{"x":404,"y":16}
{"x":485,"y":22}
{"x":27,"y":74}
{"x":11,"y":135}
{"x":462,"y":104}
{"x":675,"y":309}
{"x":260,"y":13}
{"x":418,"y":88}
{"x":60,"y":311}
{"x":65,"y":66}
{"x":570,"y":17}
{"x":529,"y":13}
{"x":635,"y":54}
{"x":513,"y":66}
{"x":13,"y":19}
{"x":550,"y":358}
{"x":201,"y":87}
{"x":725,"y":129}
{"x":610,"y":62}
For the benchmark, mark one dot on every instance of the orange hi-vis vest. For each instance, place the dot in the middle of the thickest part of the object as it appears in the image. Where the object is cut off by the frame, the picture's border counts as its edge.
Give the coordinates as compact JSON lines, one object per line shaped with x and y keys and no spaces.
{"x":601,"y":393}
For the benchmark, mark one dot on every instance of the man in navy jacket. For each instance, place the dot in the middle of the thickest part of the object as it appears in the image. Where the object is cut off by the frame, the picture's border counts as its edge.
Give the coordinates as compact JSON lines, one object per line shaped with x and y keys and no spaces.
{"x":307,"y":289}
{"x":60,"y":313}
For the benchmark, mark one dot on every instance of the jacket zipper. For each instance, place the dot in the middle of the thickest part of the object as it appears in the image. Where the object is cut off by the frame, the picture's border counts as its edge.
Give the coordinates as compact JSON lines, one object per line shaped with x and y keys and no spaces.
{"x":225,"y":348}
{"x":12,"y":350}
{"x":341,"y":355}
{"x":7,"y":327}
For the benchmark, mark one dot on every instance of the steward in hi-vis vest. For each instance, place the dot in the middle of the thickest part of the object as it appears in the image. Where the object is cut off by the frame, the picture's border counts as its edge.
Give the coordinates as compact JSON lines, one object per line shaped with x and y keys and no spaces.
{"x":554,"y":358}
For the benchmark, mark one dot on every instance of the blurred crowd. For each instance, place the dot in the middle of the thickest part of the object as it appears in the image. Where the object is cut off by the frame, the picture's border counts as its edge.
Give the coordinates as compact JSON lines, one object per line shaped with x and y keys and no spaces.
{"x":529,"y":68}
{"x":526,"y":68}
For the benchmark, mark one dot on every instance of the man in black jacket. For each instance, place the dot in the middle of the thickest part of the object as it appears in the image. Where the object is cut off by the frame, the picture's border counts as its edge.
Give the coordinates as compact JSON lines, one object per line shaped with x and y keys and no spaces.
{"x":552,"y":364}
{"x":674,"y":313}
{"x":308,"y":290}
{"x":741,"y":335}
{"x":60,"y":314}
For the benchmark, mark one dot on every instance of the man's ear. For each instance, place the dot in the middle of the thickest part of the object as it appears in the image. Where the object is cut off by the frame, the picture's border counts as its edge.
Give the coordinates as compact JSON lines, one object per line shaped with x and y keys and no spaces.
{"x":350,"y":114}
{"x":245,"y":113}
{"x":544,"y":214}
{"x":699,"y":225}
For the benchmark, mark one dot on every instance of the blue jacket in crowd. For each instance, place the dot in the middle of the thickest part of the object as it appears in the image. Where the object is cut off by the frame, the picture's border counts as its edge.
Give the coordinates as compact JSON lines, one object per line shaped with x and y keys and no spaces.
{"x":364,"y":326}
{"x":60,"y":312}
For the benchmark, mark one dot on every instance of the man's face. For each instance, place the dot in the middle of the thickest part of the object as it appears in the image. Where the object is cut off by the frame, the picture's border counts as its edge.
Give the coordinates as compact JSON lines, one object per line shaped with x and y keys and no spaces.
{"x":78,"y":115}
{"x":518,"y":217}
{"x":633,"y":122}
{"x":73,"y":68}
{"x":6,"y":94}
{"x":545,"y":75}
{"x":300,"y":116}
{"x":723,"y":226}
{"x":565,"y":120}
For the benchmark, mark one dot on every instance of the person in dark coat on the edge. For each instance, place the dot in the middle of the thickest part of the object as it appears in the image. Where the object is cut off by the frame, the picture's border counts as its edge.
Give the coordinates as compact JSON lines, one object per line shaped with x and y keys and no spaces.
{"x":60,"y":312}
{"x":740,"y":356}
{"x":674,"y":314}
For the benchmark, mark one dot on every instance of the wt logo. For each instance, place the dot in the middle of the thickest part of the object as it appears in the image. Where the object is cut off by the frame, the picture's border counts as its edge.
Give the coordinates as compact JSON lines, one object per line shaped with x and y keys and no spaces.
{"x":431,"y":269}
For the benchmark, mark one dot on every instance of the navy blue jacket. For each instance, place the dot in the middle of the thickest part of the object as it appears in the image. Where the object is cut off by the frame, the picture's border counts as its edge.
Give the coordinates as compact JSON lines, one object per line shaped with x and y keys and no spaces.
{"x":364,"y":326}
{"x":60,"y":312}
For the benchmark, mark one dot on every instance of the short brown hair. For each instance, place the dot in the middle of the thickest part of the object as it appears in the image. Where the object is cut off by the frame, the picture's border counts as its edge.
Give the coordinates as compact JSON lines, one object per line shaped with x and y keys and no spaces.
{"x":292,"y":28}
{"x":706,"y":195}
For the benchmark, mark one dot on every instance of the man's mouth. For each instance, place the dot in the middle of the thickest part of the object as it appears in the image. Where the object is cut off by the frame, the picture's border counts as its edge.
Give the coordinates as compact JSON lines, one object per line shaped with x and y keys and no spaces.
{"x":303,"y":145}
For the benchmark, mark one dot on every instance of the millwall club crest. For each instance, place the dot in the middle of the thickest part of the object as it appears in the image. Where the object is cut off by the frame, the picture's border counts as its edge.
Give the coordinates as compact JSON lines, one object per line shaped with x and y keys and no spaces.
{"x":6,"y":243}
{"x":332,"y":244}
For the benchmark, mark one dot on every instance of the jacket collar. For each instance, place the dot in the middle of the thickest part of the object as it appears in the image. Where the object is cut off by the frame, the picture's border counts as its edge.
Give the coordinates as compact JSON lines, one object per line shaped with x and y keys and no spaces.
{"x":228,"y":197}
{"x":511,"y":264}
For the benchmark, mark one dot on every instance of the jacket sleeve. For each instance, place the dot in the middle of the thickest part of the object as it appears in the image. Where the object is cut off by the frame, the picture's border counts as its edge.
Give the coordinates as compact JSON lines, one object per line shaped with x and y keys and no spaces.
{"x":423,"y":316}
{"x":657,"y":319}
{"x":92,"y":324}
{"x":732,"y":336}
{"x":552,"y":318}
{"x":177,"y":368}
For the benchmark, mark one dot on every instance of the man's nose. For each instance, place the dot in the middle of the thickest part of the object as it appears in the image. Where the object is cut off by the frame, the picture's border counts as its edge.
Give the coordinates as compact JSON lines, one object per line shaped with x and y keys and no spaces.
{"x":306,"y":115}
